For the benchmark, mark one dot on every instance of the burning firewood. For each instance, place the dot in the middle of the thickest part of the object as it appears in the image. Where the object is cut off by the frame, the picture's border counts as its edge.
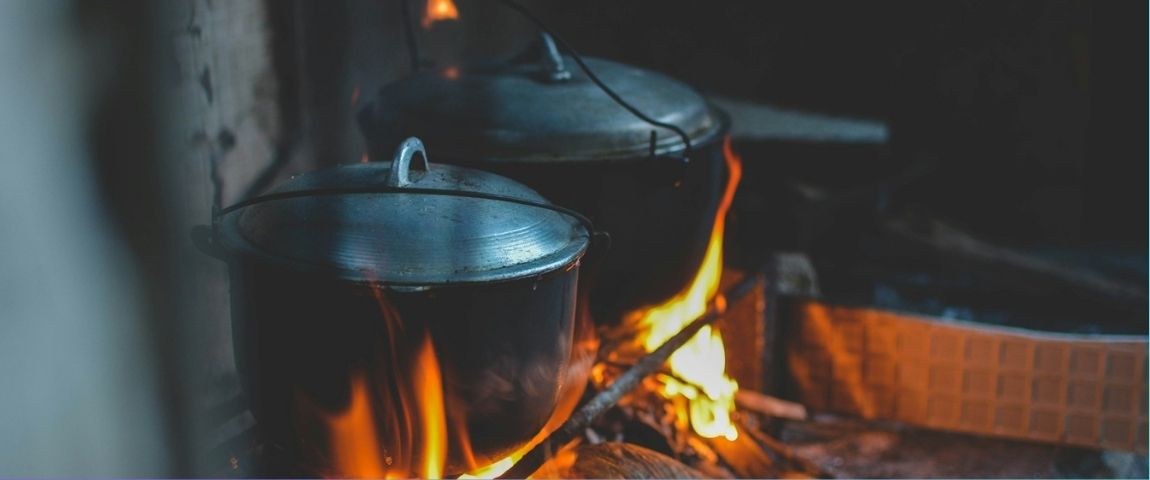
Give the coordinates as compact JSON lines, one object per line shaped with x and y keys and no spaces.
{"x":744,"y":456}
{"x":770,"y":406}
{"x":623,"y":384}
{"x":794,"y":461}
{"x":618,"y":460}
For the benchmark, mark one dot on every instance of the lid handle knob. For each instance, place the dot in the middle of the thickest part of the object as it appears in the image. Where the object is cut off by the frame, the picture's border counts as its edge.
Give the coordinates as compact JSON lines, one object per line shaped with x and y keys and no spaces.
{"x":401,"y":163}
{"x":552,"y":60}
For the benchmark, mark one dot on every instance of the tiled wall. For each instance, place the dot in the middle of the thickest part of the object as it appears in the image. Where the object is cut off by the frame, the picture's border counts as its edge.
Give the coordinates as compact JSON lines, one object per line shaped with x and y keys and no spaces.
{"x":1081,"y":390}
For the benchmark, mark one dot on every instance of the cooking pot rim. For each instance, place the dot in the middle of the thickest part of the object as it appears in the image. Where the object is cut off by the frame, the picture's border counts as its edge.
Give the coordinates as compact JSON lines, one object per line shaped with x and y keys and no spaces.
{"x":235,"y":248}
{"x":392,"y":256}
{"x":419,"y":100}
{"x":716,"y":134}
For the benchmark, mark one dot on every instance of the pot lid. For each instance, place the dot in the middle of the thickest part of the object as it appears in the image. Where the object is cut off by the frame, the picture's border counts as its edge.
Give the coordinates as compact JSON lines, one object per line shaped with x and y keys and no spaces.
{"x":392,"y":224}
{"x":538,"y":110}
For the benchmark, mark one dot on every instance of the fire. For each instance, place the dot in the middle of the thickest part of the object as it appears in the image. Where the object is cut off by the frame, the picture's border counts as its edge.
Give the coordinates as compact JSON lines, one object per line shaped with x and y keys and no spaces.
{"x":439,"y":10}
{"x":356,"y":450}
{"x":699,"y":367}
{"x":354,"y":444}
{"x":496,"y":469}
{"x":697,"y":386}
{"x":583,"y":352}
{"x":429,"y":392}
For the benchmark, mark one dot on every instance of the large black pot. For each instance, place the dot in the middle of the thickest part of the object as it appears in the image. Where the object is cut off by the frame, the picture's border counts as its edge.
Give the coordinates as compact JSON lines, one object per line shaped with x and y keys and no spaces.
{"x":534,"y":121}
{"x":340,"y":278}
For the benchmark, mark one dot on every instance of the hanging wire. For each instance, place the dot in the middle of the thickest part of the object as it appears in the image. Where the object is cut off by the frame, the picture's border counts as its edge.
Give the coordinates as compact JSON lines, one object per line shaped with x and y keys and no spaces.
{"x":595,"y":79}
{"x":409,"y":33}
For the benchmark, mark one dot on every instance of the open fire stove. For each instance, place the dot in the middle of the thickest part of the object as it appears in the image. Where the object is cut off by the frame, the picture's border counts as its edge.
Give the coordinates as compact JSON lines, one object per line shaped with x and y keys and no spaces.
{"x":547,"y":239}
{"x":533,"y":283}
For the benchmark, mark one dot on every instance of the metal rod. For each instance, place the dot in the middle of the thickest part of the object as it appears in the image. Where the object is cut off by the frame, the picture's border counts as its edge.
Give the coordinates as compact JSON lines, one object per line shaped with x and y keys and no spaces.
{"x":626,"y":382}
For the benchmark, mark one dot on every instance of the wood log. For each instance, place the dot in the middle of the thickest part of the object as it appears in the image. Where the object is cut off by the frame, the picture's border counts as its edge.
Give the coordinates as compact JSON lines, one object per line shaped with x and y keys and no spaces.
{"x":626,"y":382}
{"x":744,"y":456}
{"x":770,"y":406}
{"x":794,"y":461}
{"x":621,"y":460}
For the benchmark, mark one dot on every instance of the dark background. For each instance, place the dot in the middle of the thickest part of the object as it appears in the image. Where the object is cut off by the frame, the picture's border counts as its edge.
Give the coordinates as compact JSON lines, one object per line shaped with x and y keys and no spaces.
{"x":1031,"y":115}
{"x":1031,"y":112}
{"x":1034,"y":111}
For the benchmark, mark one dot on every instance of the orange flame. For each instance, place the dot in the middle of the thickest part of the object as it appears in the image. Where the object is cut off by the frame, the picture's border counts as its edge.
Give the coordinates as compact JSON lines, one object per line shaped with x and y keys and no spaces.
{"x":354,"y":444}
{"x":405,"y":433}
{"x":699,"y":367}
{"x":583,"y":352}
{"x":356,"y":451}
{"x":429,"y":392}
{"x":439,"y":10}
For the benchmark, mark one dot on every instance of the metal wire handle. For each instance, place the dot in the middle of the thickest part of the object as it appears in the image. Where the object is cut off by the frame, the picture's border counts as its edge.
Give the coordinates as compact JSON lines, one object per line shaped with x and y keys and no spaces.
{"x":595,"y":79}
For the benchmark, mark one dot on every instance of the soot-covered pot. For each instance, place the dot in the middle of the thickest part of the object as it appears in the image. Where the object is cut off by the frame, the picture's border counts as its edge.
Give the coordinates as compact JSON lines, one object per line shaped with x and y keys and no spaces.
{"x":536,"y":121}
{"x":343,"y":280}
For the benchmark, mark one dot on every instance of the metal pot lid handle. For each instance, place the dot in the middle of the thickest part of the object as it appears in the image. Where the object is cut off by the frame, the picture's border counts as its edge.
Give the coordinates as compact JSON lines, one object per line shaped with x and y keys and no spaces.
{"x":401,"y":163}
{"x":553,"y":60}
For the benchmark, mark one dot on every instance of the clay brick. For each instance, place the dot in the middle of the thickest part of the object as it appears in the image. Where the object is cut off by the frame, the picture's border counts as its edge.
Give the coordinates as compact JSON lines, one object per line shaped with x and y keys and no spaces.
{"x":975,"y":414}
{"x":1044,"y":423}
{"x":846,"y":369}
{"x":1116,"y":431}
{"x":882,"y":402}
{"x":978,"y":383}
{"x":1085,"y":391}
{"x":1118,"y":399}
{"x":1009,"y":417}
{"x":979,"y":351}
{"x":845,"y":398}
{"x":818,"y":366}
{"x":941,"y":410}
{"x":1085,"y":361}
{"x":1121,"y":367}
{"x":1085,"y":394}
{"x":815,"y":395}
{"x":910,"y":406}
{"x":879,"y":371}
{"x":1048,"y":390}
{"x":1012,"y":387}
{"x":913,"y":375}
{"x":816,"y":326}
{"x":850,"y":334}
{"x":912,"y":344}
{"x":945,"y":379}
{"x":1083,"y":427}
{"x":944,"y":345}
{"x":881,"y":340}
{"x":1013,"y":355}
{"x":1049,"y":358}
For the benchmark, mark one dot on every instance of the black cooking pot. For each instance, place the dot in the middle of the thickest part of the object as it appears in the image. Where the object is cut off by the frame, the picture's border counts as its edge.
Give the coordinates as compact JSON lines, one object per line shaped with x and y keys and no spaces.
{"x":553,"y":129}
{"x":342,"y":276}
